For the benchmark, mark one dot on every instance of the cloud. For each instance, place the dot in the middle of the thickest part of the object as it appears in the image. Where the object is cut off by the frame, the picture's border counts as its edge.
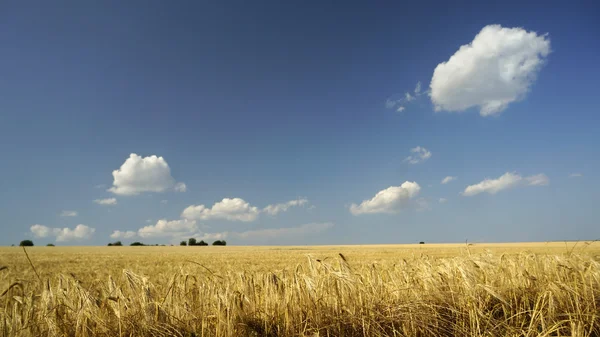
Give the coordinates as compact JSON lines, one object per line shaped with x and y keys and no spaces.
{"x":164,"y":202}
{"x":400,"y":109}
{"x":390,"y":200}
{"x":390,"y":103}
{"x":107,"y":201}
{"x":418,"y":88}
{"x":423,"y":205}
{"x":408,"y":97}
{"x":68,"y":213}
{"x":269,"y":234}
{"x":80,"y":232}
{"x":148,"y":174}
{"x":40,"y":231}
{"x":235,"y":209}
{"x":506,"y":181}
{"x":443,"y":200}
{"x":497,"y":68}
{"x":538,"y":180}
{"x":283,"y":207}
{"x":180,"y":187}
{"x":419,"y":155}
{"x":123,"y":235}
{"x":575,"y":175}
{"x":63,"y":234}
{"x":448,"y":179}
{"x":166,"y":228}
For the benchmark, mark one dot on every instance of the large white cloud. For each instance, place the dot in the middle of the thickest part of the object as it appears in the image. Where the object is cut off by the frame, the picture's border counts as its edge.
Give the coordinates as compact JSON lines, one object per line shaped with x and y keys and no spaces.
{"x":506,"y":181}
{"x":166,"y":228}
{"x":283,"y":207}
{"x":390,"y":200}
{"x":80,"y":232}
{"x":144,"y":174}
{"x":419,"y":155}
{"x":234,"y":209}
{"x":497,"y":68}
{"x":123,"y":235}
{"x":106,"y":202}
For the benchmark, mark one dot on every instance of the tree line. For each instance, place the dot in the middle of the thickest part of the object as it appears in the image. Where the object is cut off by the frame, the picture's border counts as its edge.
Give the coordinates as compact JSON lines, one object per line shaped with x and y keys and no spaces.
{"x":190,"y":242}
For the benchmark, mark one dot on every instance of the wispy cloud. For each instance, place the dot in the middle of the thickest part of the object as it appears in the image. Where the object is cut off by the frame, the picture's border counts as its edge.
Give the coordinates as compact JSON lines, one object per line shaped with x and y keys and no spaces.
{"x":448,"y":179}
{"x":68,"y":213}
{"x":106,"y":202}
{"x":504,"y":182}
{"x":400,"y":101}
{"x":419,"y":155}
{"x":575,"y":175}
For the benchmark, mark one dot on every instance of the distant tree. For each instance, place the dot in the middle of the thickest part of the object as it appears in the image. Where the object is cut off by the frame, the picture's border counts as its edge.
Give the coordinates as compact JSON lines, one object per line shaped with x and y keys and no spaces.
{"x":26,"y":243}
{"x":110,"y":244}
{"x":202,"y":243}
{"x":137,"y":244}
{"x":50,"y":245}
{"x":220,"y":243}
{"x":183,"y":243}
{"x":118,"y":243}
{"x":422,"y":242}
{"x":191,"y":242}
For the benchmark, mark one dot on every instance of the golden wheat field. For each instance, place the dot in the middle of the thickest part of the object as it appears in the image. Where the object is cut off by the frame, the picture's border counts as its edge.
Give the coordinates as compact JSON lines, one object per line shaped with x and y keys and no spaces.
{"x":519,"y":289}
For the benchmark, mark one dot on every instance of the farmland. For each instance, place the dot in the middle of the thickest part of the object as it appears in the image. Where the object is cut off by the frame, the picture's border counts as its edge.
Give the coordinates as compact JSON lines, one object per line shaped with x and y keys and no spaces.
{"x":516,"y":289}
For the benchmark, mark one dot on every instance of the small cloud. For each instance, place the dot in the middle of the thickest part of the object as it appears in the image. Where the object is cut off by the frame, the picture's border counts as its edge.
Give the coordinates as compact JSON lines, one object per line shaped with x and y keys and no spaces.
{"x":419,"y":155}
{"x":235,"y":209}
{"x":448,"y":179}
{"x":408,"y":97}
{"x":106,"y":202}
{"x":123,"y":235}
{"x":389,"y":200}
{"x":390,"y":104}
{"x":504,"y":182}
{"x":575,"y":175}
{"x":164,"y":202}
{"x":400,"y":109}
{"x":80,"y":232}
{"x":311,"y":208}
{"x":283,"y":207}
{"x":148,"y":220}
{"x":166,"y":228}
{"x":418,"y":88}
{"x":68,"y":213}
{"x":443,"y":200}
{"x":180,"y":187}
{"x":40,"y":231}
{"x":423,"y":205}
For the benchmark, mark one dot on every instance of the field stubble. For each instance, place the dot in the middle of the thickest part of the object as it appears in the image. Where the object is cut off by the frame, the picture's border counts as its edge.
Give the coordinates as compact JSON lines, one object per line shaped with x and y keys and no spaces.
{"x":528,"y":289}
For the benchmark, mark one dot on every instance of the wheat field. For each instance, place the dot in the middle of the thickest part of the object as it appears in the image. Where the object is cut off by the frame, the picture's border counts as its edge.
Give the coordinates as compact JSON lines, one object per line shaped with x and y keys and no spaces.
{"x":517,"y":289}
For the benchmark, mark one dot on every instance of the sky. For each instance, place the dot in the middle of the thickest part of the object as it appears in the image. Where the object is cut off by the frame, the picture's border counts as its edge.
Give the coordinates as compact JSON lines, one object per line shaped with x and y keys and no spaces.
{"x":282,"y":123}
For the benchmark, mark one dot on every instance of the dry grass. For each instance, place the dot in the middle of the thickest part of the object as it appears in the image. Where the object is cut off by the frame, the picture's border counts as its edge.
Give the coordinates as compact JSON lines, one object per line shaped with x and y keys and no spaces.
{"x":390,"y":290}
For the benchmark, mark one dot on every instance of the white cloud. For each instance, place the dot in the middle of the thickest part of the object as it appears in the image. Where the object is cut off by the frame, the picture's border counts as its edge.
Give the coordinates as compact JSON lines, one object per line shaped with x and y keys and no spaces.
{"x":68,"y":213}
{"x":269,"y":234}
{"x":443,"y":200}
{"x":80,"y":232}
{"x":448,"y":179}
{"x":165,"y":228}
{"x":418,"y":88}
{"x":235,"y":209}
{"x":408,"y":97}
{"x":164,"y":202}
{"x":401,"y":108}
{"x":497,"y":68}
{"x":538,"y":180}
{"x":390,"y":200}
{"x":123,"y":235}
{"x":505,"y":181}
{"x":180,"y":187}
{"x":40,"y":231}
{"x":419,"y":155}
{"x":283,"y":207}
{"x":63,"y":234}
{"x":107,"y":201}
{"x":148,"y":174}
{"x":575,"y":175}
{"x":390,"y":103}
{"x":423,"y":204}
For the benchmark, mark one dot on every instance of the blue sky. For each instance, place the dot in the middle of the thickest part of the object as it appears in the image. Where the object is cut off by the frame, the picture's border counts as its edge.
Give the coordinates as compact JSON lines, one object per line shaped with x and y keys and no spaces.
{"x":296,"y":106}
